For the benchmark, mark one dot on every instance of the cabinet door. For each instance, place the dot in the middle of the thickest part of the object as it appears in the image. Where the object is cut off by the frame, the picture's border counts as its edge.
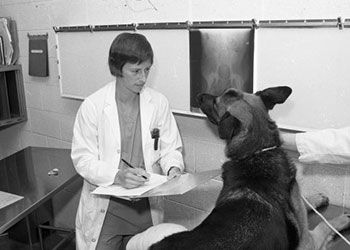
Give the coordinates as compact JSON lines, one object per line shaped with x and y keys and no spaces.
{"x":12,"y":100}
{"x":4,"y":102}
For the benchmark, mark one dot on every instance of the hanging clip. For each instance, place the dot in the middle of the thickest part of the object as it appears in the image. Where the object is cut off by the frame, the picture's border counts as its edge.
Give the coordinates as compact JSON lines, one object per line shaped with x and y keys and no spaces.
{"x":188,"y":24}
{"x":340,"y":23}
{"x":255,"y":23}
{"x":155,"y":136}
{"x":38,"y":36}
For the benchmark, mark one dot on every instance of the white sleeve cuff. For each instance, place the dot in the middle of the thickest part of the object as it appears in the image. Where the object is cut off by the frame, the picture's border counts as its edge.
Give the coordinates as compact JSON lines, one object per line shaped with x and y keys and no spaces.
{"x":324,"y":146}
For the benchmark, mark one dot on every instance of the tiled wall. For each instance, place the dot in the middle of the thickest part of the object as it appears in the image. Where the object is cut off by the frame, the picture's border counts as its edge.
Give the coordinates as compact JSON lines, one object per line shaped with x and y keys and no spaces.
{"x":50,"y":117}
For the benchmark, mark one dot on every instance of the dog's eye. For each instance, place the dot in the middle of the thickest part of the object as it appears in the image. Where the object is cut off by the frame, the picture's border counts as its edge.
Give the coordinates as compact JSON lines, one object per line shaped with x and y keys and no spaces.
{"x":215,"y":106}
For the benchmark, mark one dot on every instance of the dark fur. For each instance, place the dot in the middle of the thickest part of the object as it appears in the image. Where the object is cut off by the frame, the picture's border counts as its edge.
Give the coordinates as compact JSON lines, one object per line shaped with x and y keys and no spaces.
{"x":255,"y":208}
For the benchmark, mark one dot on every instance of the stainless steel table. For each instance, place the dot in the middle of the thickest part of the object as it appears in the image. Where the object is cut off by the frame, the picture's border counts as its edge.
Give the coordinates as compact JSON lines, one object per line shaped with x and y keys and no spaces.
{"x":29,"y":173}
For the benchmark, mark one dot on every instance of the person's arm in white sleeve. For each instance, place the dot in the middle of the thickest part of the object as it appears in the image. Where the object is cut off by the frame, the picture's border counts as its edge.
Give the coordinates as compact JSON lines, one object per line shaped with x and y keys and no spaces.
{"x":322,"y":146}
{"x":84,"y":153}
{"x":288,"y":141}
{"x":170,"y":141}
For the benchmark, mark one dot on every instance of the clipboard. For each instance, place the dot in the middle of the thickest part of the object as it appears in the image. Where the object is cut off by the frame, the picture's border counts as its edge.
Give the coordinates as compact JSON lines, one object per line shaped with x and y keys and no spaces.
{"x":181,"y":184}
{"x":176,"y":186}
{"x":118,"y":191}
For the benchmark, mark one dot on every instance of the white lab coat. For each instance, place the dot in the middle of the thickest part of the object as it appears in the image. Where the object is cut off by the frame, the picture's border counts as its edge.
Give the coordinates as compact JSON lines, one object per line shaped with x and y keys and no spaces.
{"x":96,"y":153}
{"x":324,"y":146}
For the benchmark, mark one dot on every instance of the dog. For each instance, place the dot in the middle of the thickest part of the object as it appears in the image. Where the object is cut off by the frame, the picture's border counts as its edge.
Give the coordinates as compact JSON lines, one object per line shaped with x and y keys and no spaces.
{"x":260,"y":205}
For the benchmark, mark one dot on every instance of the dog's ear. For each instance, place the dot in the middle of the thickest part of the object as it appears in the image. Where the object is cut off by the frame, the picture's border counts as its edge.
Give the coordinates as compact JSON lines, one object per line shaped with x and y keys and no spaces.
{"x":227,"y":126}
{"x":274,"y":95}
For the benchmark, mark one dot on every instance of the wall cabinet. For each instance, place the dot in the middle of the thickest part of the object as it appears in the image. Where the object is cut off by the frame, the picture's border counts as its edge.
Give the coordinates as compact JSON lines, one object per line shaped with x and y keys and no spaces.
{"x":12,"y":99}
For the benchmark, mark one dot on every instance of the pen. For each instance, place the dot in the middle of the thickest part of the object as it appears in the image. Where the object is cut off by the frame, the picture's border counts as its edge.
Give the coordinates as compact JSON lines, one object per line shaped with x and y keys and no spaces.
{"x":155,"y":136}
{"x":131,"y":166}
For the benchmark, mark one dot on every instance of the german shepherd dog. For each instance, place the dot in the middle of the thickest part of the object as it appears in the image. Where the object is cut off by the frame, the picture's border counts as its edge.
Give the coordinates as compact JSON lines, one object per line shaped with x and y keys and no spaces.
{"x":259,"y":206}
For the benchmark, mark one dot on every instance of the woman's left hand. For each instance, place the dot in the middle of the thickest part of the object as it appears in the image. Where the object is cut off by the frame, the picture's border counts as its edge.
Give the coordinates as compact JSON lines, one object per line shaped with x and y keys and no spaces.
{"x":174,"y":172}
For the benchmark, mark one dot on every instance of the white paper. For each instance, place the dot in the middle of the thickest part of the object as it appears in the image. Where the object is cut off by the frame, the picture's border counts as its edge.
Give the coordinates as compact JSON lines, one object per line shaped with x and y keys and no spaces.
{"x":6,"y":35}
{"x":7,"y":199}
{"x":118,"y":191}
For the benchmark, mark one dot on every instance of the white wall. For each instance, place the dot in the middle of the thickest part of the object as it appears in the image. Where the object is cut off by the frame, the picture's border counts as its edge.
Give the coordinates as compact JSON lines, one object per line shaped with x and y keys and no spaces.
{"x":50,"y":116}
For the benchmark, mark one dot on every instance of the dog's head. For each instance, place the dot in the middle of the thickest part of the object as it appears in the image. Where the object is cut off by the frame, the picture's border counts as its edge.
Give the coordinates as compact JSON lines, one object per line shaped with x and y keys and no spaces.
{"x":243,"y":119}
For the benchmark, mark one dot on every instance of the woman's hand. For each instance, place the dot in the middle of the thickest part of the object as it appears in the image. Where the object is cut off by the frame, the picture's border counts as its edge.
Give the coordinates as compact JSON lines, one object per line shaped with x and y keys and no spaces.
{"x":174,"y":172}
{"x":131,"y":177}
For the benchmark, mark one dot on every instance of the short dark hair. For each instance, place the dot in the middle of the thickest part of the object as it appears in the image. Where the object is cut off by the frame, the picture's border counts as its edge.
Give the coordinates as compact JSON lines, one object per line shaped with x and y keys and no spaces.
{"x":128,"y":48}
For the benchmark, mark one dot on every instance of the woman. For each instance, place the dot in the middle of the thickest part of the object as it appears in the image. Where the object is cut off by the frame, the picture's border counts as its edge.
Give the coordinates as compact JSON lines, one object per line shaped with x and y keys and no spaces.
{"x":322,"y":146}
{"x":123,"y":120}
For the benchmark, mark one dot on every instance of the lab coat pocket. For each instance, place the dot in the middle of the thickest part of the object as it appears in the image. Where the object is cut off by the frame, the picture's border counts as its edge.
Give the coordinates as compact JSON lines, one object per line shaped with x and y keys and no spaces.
{"x":155,"y":135}
{"x":155,"y":150}
{"x":151,"y":156}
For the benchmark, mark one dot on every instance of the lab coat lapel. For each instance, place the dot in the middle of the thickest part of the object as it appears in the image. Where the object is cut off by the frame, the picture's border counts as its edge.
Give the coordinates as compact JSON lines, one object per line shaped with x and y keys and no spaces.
{"x":147,"y":112}
{"x":111,"y":113}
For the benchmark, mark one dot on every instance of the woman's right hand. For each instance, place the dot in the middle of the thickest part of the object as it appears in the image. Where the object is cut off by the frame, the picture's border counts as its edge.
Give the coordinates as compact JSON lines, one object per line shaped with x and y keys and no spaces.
{"x":131,"y":177}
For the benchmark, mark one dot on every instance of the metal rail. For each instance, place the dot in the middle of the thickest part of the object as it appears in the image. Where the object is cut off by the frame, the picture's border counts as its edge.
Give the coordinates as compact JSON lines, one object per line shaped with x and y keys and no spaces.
{"x":339,"y":23}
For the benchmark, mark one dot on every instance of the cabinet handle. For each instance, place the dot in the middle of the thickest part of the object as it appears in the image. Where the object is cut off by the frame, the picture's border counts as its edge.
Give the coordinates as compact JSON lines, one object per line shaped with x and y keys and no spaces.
{"x":54,"y":171}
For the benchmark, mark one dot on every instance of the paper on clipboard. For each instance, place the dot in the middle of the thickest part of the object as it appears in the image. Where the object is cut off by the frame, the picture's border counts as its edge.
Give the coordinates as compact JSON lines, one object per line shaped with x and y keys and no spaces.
{"x":182,"y":184}
{"x":119,"y":191}
{"x":6,"y":39}
{"x":161,"y":186}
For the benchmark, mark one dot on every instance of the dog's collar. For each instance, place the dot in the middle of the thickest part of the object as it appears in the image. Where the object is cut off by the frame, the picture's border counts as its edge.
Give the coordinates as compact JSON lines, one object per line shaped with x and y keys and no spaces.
{"x":265,"y":149}
{"x":257,"y":152}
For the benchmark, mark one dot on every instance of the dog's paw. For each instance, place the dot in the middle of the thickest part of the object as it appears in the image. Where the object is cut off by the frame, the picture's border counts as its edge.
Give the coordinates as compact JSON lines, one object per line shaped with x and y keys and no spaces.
{"x":327,"y":235}
{"x":318,"y":200}
{"x":341,"y":222}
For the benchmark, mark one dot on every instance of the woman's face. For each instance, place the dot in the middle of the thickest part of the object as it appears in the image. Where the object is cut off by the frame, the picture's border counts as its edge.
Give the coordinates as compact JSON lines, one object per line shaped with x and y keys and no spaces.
{"x":135,"y":75}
